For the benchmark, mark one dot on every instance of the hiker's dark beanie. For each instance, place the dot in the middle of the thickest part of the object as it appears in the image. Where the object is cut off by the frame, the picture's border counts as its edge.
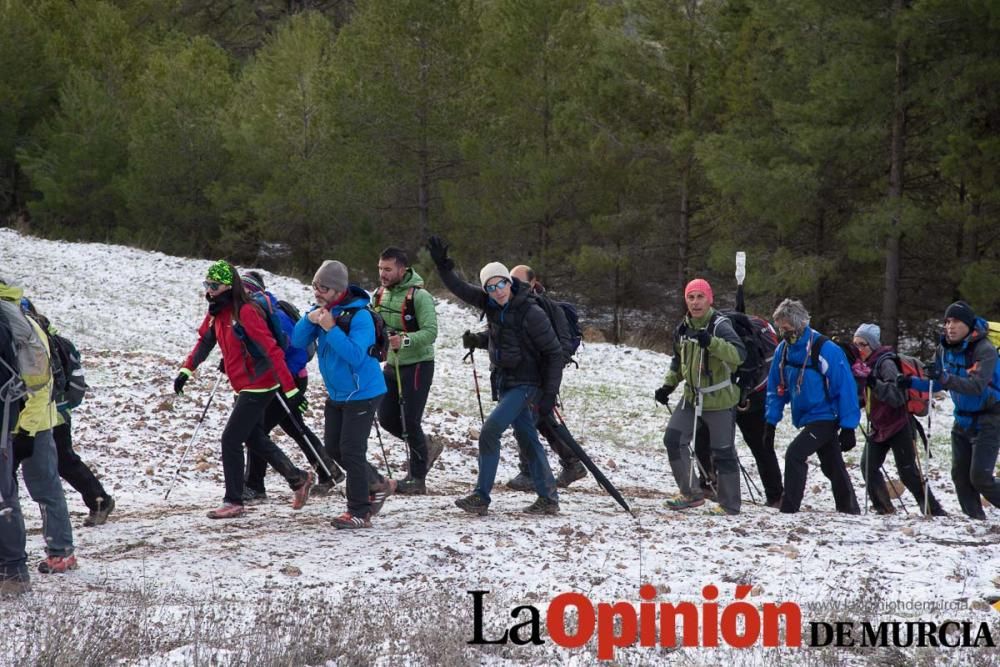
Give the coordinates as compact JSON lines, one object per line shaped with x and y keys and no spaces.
{"x":963,"y":312}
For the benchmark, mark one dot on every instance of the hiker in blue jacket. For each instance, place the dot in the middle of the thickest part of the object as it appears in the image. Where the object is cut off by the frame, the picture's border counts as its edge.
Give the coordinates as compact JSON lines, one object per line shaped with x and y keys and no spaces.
{"x":344,"y":331}
{"x":812,"y":373}
{"x":965,"y":364}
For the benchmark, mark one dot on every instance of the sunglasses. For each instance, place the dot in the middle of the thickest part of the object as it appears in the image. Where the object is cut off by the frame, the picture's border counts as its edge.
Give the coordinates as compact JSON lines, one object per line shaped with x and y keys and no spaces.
{"x":321,"y":288}
{"x":861,"y":344}
{"x":212,"y":285}
{"x":500,"y":284}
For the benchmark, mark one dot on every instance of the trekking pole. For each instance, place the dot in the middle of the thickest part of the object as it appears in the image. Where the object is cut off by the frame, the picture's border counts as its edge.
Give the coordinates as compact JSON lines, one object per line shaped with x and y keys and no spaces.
{"x":694,"y":430}
{"x":385,"y":457}
{"x":475,"y":378}
{"x":899,"y":496}
{"x":751,"y":485}
{"x":927,"y":442}
{"x":320,"y":463}
{"x":194,"y":436}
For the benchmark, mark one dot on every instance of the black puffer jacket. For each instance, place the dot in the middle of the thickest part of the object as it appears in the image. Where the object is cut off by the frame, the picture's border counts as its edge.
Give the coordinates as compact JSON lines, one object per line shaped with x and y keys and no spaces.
{"x":524,"y":348}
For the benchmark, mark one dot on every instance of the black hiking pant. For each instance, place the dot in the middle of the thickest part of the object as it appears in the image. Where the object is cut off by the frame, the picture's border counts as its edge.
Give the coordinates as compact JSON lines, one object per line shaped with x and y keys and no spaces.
{"x":903,"y":451}
{"x":973,"y":462}
{"x":279,"y":413}
{"x":548,"y":428}
{"x":246,"y":425}
{"x":752,"y":426}
{"x":818,"y":438}
{"x":416,"y":382}
{"x":345,"y":432}
{"x":74,"y":470}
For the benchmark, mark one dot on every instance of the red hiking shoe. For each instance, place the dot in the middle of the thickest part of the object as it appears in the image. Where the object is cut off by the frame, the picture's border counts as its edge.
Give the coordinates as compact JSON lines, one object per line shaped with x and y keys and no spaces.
{"x":347,"y":521}
{"x":227,"y":511}
{"x":57,"y":564}
{"x":302,"y":493}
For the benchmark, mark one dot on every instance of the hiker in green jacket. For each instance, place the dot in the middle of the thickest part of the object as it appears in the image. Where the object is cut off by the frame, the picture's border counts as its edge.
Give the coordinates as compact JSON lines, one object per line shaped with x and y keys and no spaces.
{"x":706,"y":352}
{"x":408,"y":311}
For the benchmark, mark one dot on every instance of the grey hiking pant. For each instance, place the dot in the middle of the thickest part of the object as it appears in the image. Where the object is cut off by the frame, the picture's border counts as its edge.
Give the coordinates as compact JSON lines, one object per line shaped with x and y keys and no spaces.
{"x":13,"y":558}
{"x":721,"y":427}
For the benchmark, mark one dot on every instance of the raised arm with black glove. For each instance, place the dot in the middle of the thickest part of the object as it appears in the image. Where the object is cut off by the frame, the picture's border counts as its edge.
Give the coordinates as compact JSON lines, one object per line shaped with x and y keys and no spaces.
{"x":438,"y":249}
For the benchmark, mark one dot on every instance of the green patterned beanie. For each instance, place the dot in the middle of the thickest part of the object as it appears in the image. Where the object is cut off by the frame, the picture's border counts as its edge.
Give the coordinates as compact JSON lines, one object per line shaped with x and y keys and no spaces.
{"x":221,"y":272}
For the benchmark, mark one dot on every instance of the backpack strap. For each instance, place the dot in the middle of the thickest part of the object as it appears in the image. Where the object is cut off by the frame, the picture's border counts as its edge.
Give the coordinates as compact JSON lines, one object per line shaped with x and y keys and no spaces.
{"x":409,"y":307}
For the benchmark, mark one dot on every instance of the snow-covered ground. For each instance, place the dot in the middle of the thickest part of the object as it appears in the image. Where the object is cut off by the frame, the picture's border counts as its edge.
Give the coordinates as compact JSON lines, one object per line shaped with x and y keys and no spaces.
{"x":134,"y":316}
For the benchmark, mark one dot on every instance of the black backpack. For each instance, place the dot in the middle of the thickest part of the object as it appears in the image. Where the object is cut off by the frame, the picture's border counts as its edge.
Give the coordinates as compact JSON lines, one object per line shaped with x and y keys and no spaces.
{"x":565,"y":323}
{"x":759,"y":339}
{"x":380,"y":348}
{"x":68,"y":384}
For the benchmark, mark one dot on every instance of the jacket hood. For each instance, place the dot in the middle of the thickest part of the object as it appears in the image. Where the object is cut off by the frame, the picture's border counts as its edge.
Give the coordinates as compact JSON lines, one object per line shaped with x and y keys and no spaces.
{"x":11,"y":292}
{"x":410,"y":279}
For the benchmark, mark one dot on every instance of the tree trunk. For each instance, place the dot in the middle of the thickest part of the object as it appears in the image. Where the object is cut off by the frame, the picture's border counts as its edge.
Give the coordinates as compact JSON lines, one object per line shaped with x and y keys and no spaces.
{"x":897,"y":157}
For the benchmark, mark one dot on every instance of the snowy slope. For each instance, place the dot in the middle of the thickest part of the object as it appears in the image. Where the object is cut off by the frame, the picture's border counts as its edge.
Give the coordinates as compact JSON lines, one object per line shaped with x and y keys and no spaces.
{"x":134,"y":315}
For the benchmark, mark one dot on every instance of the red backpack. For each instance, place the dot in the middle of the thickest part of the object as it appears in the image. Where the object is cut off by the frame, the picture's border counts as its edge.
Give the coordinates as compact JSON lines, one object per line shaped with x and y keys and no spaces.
{"x":916,"y":400}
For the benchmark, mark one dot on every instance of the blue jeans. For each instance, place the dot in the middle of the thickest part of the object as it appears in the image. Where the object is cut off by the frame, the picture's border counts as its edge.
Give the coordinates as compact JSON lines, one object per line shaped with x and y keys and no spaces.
{"x":41,"y":477}
{"x":514,"y":409}
{"x":12,"y":555}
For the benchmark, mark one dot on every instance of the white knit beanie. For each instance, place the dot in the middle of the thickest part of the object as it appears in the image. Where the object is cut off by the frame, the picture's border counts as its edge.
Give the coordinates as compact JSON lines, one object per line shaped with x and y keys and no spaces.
{"x":493,"y":270}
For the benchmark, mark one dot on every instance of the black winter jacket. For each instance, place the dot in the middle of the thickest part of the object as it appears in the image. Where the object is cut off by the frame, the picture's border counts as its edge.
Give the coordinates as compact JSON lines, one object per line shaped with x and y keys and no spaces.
{"x":524,"y":348}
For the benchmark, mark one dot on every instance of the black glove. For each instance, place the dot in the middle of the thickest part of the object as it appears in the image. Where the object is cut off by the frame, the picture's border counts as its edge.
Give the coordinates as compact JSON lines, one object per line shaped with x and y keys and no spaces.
{"x":704,"y":338}
{"x":932,"y":371}
{"x":296,"y":400}
{"x":179,"y":381}
{"x":904,"y":382}
{"x":470,"y":341}
{"x":662,"y":394}
{"x":24,"y":446}
{"x":769,"y":436}
{"x":222,"y":365}
{"x":847,"y":439}
{"x":547,"y":404}
{"x":438,"y":249}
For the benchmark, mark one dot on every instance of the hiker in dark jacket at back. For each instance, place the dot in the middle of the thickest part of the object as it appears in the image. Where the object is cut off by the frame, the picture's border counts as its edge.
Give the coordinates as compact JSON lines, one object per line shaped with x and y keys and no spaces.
{"x":891,"y":424}
{"x":71,"y":467}
{"x":572,"y":468}
{"x":965,"y":364}
{"x":526,"y":363}
{"x":811,"y":372}
{"x":280,"y":413}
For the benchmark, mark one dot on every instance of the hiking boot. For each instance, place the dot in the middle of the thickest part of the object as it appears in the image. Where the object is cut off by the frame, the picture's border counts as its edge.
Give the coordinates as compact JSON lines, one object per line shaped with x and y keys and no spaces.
{"x":57,"y":564}
{"x":98,"y":517}
{"x":719,"y":510}
{"x":301,"y":496}
{"x":542,"y":505}
{"x":521,"y":483}
{"x":776,"y":503}
{"x":349,"y":521}
{"x":570,"y":474}
{"x":473,"y":504}
{"x":227,"y":511}
{"x":253,"y":496}
{"x":708,"y":493}
{"x":412,"y":486}
{"x":15,"y":585}
{"x":434,"y":449}
{"x":681,"y":502}
{"x":320,"y":489}
{"x":380,"y":493}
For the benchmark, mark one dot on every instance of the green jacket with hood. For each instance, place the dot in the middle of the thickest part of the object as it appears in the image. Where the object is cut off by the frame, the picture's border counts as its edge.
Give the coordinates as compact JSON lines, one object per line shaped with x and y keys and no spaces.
{"x":390,"y":306}
{"x":713,"y":376}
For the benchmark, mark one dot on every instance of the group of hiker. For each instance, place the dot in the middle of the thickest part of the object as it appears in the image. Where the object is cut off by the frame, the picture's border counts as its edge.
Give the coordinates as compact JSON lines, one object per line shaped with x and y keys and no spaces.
{"x":375,"y":354}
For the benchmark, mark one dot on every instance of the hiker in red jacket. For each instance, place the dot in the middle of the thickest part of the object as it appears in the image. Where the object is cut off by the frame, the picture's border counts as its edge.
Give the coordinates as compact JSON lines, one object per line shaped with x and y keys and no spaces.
{"x":256,"y":369}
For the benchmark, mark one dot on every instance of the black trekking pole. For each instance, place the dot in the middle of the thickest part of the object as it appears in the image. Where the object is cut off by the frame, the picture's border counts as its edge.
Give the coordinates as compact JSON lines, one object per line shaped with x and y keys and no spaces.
{"x":321,"y":463}
{"x":385,"y":456}
{"x":194,"y":436}
{"x":475,"y":378}
{"x":751,"y":486}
